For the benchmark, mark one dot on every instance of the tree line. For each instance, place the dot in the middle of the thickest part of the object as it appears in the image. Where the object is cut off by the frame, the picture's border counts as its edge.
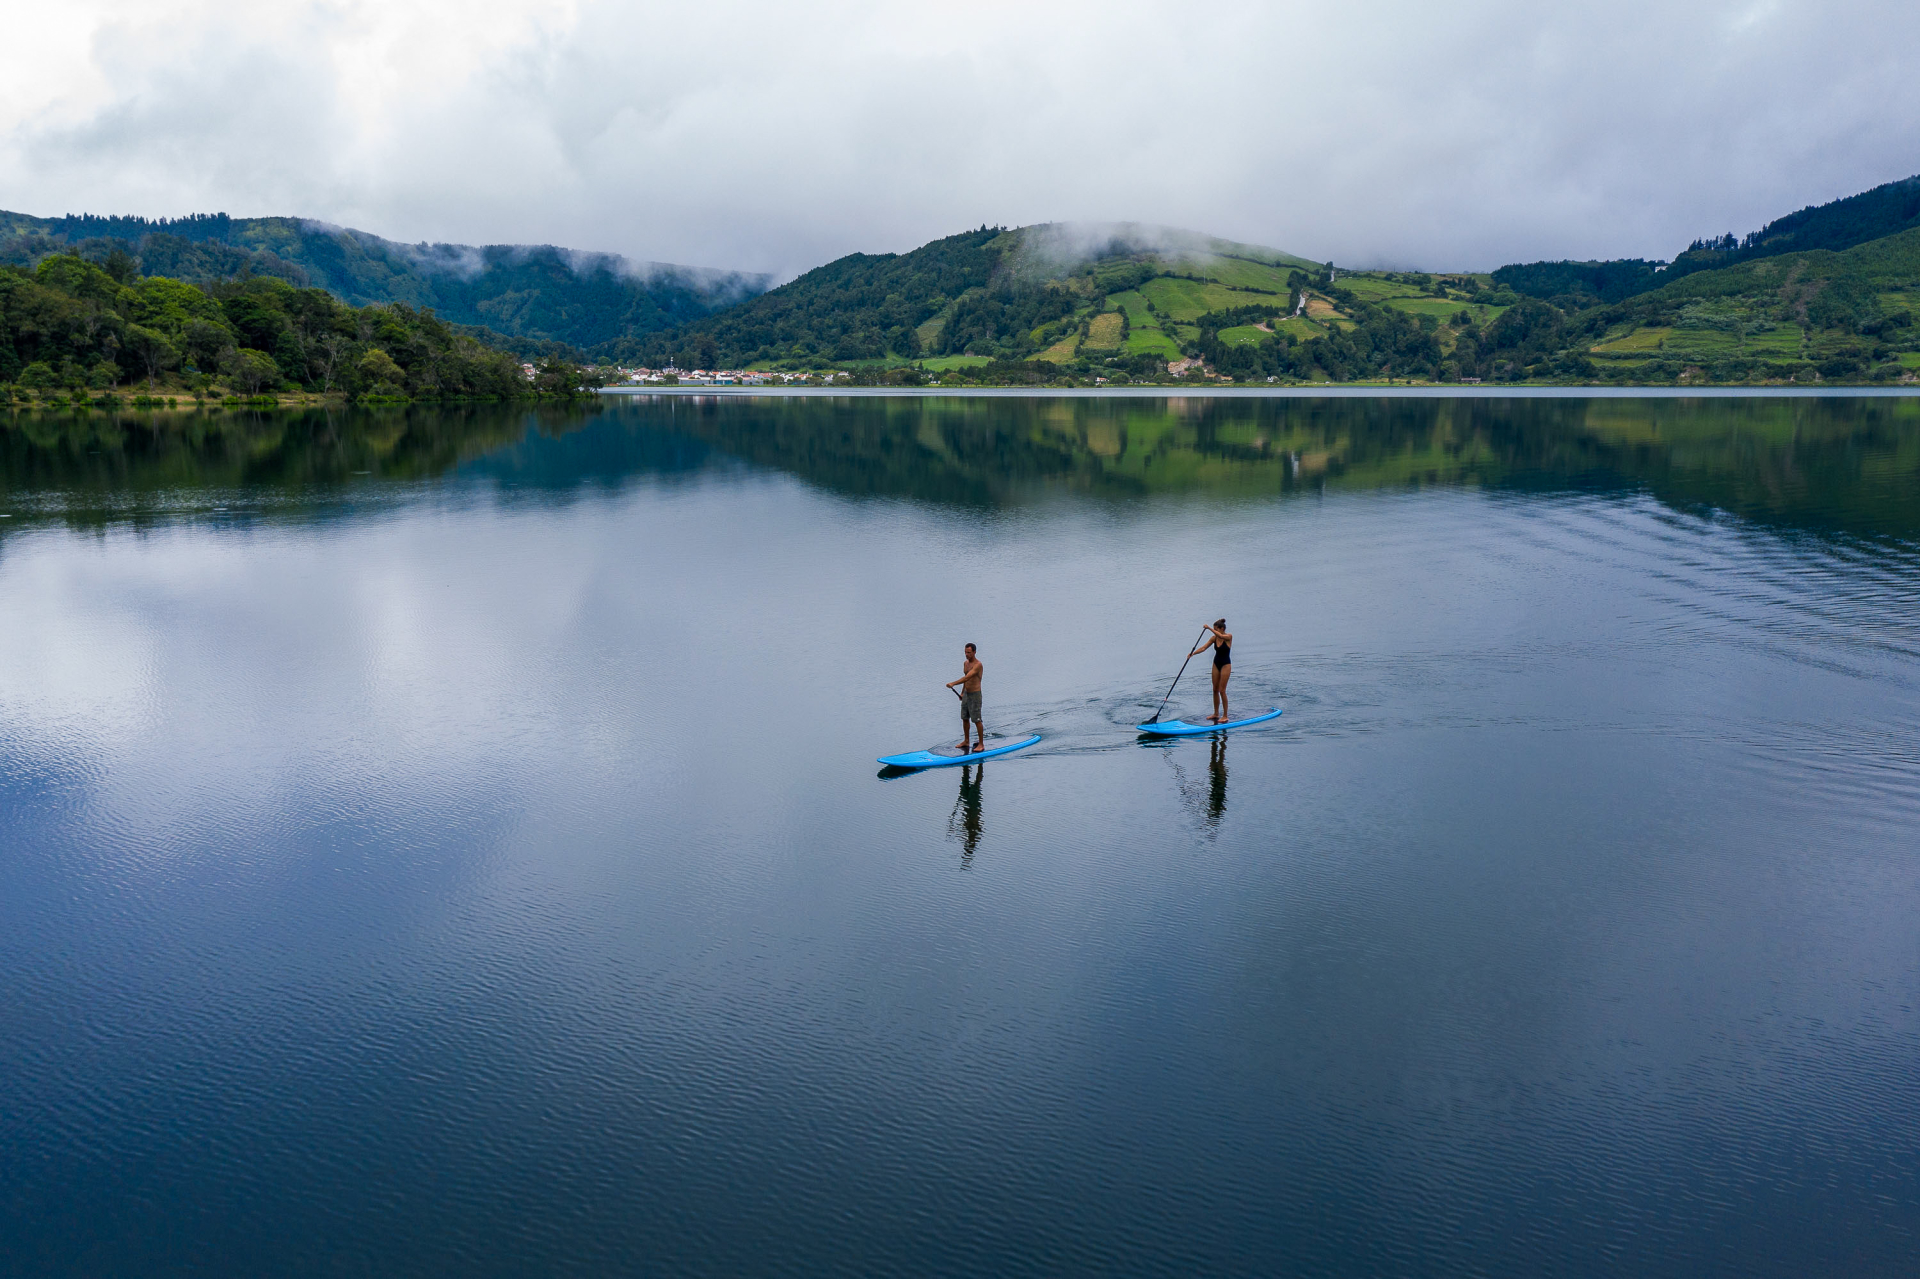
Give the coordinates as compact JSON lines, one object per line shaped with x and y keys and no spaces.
{"x":77,"y":326}
{"x":532,"y":292}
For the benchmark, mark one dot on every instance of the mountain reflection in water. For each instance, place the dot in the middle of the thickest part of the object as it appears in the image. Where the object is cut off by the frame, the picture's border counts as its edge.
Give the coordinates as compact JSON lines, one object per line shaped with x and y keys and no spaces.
{"x":1845,"y":464}
{"x":448,"y":841}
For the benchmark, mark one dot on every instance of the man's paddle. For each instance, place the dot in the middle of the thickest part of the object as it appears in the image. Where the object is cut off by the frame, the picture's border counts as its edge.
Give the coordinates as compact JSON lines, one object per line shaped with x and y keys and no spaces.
{"x":1176,"y":680}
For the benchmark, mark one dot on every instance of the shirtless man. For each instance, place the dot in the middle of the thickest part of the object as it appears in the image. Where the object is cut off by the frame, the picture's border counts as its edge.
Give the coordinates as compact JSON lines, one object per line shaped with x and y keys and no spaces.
{"x":969,"y":682}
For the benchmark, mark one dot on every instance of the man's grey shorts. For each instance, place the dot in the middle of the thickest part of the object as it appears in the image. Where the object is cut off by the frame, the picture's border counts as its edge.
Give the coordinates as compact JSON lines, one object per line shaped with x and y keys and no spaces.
{"x":969,"y":706}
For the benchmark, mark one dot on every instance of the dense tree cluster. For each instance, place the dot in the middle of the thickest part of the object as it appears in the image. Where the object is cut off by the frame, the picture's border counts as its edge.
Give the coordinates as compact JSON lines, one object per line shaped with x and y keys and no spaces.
{"x":71,"y":324}
{"x":536,"y":293}
{"x":1837,"y":225}
{"x":1527,"y":341}
{"x":1580,"y":283}
{"x":1379,"y":342}
{"x":1238,"y":315}
{"x":863,"y":306}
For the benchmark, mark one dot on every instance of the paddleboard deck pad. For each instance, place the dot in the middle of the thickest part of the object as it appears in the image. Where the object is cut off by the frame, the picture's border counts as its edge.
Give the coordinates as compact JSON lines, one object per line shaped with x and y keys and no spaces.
{"x":941,"y":756}
{"x":1180,"y":727}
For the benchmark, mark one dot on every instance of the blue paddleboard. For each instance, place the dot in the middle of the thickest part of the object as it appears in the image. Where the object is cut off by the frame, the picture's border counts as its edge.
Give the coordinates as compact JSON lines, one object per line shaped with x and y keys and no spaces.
{"x":1180,"y":727}
{"x":941,"y":756}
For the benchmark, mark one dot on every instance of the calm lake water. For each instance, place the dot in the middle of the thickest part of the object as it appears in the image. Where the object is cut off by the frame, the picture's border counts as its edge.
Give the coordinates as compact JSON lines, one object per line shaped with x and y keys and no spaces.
{"x":449,"y":842}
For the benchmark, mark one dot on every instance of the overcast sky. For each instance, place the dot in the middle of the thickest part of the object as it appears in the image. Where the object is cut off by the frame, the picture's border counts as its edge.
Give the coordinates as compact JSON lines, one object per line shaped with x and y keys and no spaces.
{"x":775,"y":136}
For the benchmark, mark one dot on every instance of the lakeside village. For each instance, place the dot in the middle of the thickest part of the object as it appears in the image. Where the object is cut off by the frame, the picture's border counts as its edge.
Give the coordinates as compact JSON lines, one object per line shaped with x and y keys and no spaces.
{"x":622,"y":376}
{"x":670,"y":376}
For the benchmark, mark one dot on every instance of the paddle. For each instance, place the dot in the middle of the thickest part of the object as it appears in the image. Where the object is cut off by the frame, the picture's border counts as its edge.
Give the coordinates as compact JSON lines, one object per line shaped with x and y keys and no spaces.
{"x":1176,"y":678}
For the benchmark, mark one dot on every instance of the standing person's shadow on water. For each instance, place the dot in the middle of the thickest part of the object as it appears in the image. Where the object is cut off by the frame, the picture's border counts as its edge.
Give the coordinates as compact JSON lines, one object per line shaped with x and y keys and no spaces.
{"x":964,"y":823}
{"x":1207,"y":804}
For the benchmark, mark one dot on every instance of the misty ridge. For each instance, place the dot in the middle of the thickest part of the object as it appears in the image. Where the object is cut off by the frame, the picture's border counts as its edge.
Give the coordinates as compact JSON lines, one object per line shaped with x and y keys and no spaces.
{"x":1825,"y":293}
{"x":1052,"y":249}
{"x":535,"y":297}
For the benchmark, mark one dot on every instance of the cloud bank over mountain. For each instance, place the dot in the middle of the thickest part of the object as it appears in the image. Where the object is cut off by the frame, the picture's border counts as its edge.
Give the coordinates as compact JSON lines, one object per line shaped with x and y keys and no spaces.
{"x":760,"y":136}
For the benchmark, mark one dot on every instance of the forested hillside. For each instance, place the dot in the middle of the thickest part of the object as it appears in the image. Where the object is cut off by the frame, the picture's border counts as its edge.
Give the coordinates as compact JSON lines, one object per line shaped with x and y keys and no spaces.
{"x":1837,"y":225}
{"x":536,"y":294}
{"x":988,"y":295}
{"x":1040,"y":304}
{"x":1000,"y":305}
{"x":1810,"y":316}
{"x":70,"y":327}
{"x":1835,"y":316}
{"x":1010,"y":306}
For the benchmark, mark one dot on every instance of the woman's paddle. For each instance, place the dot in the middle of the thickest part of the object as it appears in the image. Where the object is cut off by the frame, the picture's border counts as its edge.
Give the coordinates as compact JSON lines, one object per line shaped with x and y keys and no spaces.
{"x":1176,"y":679}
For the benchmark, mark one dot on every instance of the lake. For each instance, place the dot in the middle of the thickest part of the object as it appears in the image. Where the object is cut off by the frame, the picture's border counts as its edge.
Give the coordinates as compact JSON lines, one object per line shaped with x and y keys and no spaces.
{"x":449,"y":840}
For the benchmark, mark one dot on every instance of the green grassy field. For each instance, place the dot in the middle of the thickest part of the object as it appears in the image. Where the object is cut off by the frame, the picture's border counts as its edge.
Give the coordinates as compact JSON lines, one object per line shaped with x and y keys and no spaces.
{"x":1062,"y":351}
{"x":1439,"y":308}
{"x":941,"y":363}
{"x":1144,"y":336}
{"x":1781,"y":342}
{"x":1238,"y":273}
{"x":1637,"y":342}
{"x":1243,"y":335}
{"x":1104,"y":331}
{"x":1186,"y":300}
{"x":1371,"y":288}
{"x":1300,"y":327}
{"x":1152,"y":342}
{"x":1135,"y":306}
{"x":1701,"y":344}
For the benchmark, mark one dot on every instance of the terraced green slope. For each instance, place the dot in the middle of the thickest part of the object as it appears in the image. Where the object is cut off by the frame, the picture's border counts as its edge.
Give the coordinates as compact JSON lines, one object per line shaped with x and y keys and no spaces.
{"x":1801,"y":316}
{"x":1067,"y":294}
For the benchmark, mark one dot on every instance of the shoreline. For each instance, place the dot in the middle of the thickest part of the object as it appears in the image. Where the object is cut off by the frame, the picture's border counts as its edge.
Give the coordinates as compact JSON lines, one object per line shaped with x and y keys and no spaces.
{"x":1325,"y":391}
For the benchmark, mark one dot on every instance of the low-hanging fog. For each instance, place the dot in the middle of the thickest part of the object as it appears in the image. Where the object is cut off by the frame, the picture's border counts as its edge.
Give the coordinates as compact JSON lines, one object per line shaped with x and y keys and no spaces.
{"x":775,"y":136}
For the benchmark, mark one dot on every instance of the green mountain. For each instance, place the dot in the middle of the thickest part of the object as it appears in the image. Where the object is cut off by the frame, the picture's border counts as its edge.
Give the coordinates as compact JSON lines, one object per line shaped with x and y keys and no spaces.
{"x":1058,"y":301}
{"x":1807,"y":316}
{"x":1116,"y":294}
{"x":1846,"y":315}
{"x":1823,"y":294}
{"x":536,"y":293}
{"x":1840,"y":224}
{"x":1837,"y":225}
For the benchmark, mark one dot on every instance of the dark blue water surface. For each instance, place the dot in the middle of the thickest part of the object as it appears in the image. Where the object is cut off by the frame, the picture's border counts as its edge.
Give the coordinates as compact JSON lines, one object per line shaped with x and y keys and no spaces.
{"x":448,"y":842}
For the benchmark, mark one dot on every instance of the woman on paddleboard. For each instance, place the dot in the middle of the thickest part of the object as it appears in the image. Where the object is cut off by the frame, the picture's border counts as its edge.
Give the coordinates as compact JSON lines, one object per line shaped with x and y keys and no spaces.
{"x":1221,"y":642}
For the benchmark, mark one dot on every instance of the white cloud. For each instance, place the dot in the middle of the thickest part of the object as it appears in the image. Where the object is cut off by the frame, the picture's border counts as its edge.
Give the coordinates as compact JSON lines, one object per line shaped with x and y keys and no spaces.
{"x":745,"y":134}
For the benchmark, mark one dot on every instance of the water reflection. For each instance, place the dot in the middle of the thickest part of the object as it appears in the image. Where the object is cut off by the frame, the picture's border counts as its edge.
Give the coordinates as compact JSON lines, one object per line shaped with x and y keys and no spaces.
{"x":1204,"y":800}
{"x":87,"y":465}
{"x":380,"y":854}
{"x":1844,"y":463}
{"x":964,"y":823}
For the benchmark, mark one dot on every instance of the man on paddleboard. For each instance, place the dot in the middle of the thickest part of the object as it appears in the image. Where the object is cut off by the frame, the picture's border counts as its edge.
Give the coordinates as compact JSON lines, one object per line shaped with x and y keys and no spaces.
{"x":969,"y":682}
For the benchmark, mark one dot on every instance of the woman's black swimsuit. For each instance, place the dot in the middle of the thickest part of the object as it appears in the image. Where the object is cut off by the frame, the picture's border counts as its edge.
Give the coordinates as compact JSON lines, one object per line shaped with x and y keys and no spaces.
{"x":1223,"y":654}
